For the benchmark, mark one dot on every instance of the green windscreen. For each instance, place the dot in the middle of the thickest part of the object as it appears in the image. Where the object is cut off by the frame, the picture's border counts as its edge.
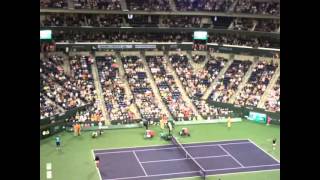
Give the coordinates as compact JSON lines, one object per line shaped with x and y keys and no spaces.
{"x":259,"y":117}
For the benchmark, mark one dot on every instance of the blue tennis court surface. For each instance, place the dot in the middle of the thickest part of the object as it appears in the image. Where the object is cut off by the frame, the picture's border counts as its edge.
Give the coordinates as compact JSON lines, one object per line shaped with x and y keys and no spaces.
{"x":167,"y":162}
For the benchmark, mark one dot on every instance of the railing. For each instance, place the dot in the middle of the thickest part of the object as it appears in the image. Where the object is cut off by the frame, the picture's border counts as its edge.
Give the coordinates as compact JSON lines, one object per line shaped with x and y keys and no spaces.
{"x":167,"y":13}
{"x":187,"y":46}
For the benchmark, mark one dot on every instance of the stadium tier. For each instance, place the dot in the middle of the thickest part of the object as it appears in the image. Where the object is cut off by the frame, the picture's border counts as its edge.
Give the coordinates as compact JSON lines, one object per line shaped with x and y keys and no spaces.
{"x":159,"y":89}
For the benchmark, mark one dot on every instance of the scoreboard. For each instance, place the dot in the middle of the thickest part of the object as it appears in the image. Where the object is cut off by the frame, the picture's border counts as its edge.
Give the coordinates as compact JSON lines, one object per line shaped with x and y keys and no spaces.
{"x":45,"y":34}
{"x":200,"y":35}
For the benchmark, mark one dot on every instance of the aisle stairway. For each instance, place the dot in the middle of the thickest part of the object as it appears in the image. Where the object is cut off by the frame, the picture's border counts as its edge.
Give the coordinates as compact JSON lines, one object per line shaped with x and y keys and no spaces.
{"x":231,"y":9}
{"x":184,"y":95}
{"x":66,"y":65}
{"x":207,"y":93}
{"x":123,"y":5}
{"x":127,"y":90}
{"x":154,"y":87}
{"x":197,"y":66}
{"x":272,"y":83}
{"x":99,"y":92}
{"x":172,"y":5}
{"x":70,"y":4}
{"x":244,"y":81}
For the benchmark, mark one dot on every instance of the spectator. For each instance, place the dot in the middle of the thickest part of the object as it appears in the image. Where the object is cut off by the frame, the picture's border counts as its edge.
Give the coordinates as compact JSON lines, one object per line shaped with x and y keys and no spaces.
{"x":229,"y":82}
{"x":110,"y":5}
{"x":140,"y":87}
{"x":149,"y":5}
{"x":251,"y":94}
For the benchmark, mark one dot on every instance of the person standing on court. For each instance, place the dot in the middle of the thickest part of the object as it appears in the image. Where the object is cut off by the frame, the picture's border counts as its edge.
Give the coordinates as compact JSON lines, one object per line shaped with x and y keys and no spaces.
{"x":274,"y":143}
{"x":162,"y":122}
{"x":78,"y":129}
{"x":100,"y":127}
{"x":75,"y":129}
{"x":229,"y":122}
{"x":268,"y":121}
{"x":58,"y":142}
{"x":97,"y":161}
{"x":145,"y":124}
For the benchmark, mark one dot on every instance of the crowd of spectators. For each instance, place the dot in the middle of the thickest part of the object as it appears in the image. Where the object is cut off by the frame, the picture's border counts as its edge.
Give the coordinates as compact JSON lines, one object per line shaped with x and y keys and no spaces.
{"x":53,"y":3}
{"x":267,"y":25}
{"x":241,"y":6}
{"x":83,"y":78}
{"x":168,"y":89}
{"x":91,"y":113}
{"x":140,"y":87}
{"x":198,"y":58}
{"x":117,"y":103}
{"x":242,"y":40}
{"x":87,"y":115}
{"x":229,"y":82}
{"x":196,"y":81}
{"x":261,"y":75}
{"x":258,"y":7}
{"x":117,"y":20}
{"x":67,"y":91}
{"x":89,"y":36}
{"x":148,"y":5}
{"x":273,"y":100}
{"x":242,"y":24}
{"x":48,"y":108}
{"x":52,"y":81}
{"x":203,"y":5}
{"x":97,"y":4}
{"x":99,"y":36}
{"x":78,"y":20}
{"x":209,"y":111}
{"x":199,"y":46}
{"x":181,"y":21}
{"x":143,"y":21}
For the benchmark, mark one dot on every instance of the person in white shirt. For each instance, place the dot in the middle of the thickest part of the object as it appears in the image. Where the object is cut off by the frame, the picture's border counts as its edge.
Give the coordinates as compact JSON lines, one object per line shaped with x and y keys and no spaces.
{"x":100,"y":127}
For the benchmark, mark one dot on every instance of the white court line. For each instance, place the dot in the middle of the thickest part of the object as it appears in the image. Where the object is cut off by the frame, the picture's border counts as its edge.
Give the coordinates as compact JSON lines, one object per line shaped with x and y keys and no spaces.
{"x":166,"y":160}
{"x":198,"y":142}
{"x":188,"y":172}
{"x":231,"y":156}
{"x":145,"y":173}
{"x":158,"y":149}
{"x":245,"y":167}
{"x":264,"y":151}
{"x":49,"y":166}
{"x":225,"y":174}
{"x":96,"y":166}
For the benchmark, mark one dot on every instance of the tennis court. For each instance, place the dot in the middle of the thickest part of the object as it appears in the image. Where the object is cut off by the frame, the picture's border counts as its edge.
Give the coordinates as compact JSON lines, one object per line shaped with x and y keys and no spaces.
{"x":188,"y":160}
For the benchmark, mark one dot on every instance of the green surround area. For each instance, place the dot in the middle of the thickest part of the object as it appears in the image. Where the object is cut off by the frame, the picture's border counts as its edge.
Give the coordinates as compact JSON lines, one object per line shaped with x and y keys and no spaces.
{"x":75,"y":161}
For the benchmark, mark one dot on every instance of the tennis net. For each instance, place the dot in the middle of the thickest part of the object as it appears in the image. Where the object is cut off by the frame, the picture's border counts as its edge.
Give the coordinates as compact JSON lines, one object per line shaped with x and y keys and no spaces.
{"x":202,"y":171}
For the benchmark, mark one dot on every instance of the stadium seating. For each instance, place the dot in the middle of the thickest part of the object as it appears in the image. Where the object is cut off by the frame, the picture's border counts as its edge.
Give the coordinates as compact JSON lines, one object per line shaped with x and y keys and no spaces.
{"x":53,"y":3}
{"x":97,"y":4}
{"x":258,"y":7}
{"x":148,"y":5}
{"x":273,"y":101}
{"x":203,"y":5}
{"x":230,"y":81}
{"x":117,"y":103}
{"x":224,"y":6}
{"x":140,"y":87}
{"x":251,"y":94}
{"x":196,"y":82}
{"x":168,"y":89}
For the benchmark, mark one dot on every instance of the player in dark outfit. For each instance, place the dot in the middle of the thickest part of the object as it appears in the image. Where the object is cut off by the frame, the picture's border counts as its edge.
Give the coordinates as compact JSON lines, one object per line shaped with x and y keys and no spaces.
{"x":97,"y":160}
{"x":274,"y":143}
